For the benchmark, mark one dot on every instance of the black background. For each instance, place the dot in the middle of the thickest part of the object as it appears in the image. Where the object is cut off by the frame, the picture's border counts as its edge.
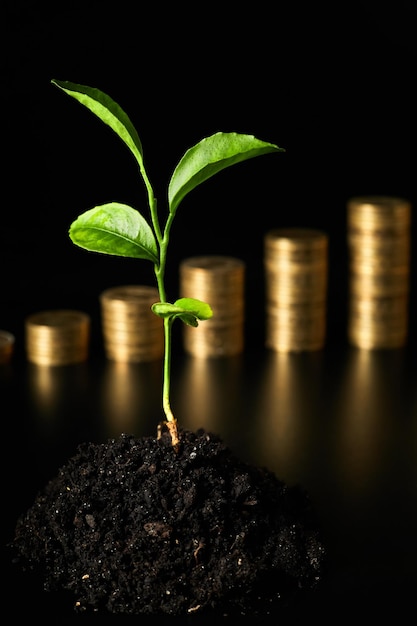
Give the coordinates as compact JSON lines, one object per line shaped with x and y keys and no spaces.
{"x":332,"y":84}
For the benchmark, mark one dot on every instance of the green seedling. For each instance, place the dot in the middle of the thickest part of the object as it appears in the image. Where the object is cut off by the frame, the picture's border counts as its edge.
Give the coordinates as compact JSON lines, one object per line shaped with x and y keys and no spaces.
{"x":121,"y":230}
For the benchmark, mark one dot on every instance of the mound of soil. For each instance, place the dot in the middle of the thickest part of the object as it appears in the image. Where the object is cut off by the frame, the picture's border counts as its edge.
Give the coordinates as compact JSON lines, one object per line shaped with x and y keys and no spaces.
{"x":134,"y":526}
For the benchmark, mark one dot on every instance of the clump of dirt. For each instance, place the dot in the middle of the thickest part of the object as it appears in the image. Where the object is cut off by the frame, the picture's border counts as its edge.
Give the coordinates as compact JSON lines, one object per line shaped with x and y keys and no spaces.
{"x":134,"y":526}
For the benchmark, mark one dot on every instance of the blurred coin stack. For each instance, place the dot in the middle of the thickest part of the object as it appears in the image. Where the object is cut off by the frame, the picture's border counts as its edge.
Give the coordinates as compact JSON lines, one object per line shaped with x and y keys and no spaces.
{"x":378,"y":229}
{"x":131,"y":331}
{"x":219,"y":281}
{"x":57,"y":337}
{"x":296,"y":275}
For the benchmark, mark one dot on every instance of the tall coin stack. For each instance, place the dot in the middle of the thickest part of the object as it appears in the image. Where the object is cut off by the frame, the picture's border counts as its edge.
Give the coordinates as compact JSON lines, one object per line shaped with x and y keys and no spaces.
{"x":296,"y":274}
{"x":132,"y":332}
{"x":219,"y":281}
{"x":379,"y":266}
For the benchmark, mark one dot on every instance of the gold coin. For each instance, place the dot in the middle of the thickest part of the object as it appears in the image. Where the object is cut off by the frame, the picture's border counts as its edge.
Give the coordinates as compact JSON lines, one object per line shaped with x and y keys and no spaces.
{"x":208,"y":342}
{"x":378,"y":322}
{"x":377,"y":336}
{"x":302,"y":246}
{"x":379,"y":308}
{"x":283,"y":287}
{"x":369,"y":257}
{"x":306,"y":336}
{"x":296,"y":328}
{"x":127,"y":352}
{"x":131,"y":331}
{"x":366,"y":284}
{"x":130,"y":297}
{"x":296,"y":276}
{"x":57,"y":337}
{"x":295,"y":264}
{"x":219,"y":281}
{"x":382,"y":215}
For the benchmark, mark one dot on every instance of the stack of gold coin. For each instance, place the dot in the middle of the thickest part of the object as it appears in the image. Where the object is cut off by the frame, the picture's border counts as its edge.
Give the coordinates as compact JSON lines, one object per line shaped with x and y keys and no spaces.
{"x":219,"y":281}
{"x":296,"y":273}
{"x":131,"y":331}
{"x":57,"y":337}
{"x":378,"y":231}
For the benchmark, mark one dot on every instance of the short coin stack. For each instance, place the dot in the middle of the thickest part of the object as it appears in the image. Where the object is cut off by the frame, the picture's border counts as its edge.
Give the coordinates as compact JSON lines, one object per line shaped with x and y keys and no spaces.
{"x":379,"y":266}
{"x":296,"y":275}
{"x":57,"y":337}
{"x":219,"y":281}
{"x":132,"y":332}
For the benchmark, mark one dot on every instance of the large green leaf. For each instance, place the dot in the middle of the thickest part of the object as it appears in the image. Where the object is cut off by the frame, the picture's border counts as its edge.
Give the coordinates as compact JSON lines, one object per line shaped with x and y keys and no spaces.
{"x":209,"y":156}
{"x":108,"y":111}
{"x":115,"y":229}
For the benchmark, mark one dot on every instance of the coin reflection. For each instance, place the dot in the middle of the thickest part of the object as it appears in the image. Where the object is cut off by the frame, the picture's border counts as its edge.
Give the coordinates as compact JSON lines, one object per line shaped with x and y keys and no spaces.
{"x":288,"y":401}
{"x":49,"y":386}
{"x":55,"y":395}
{"x":130,"y":398}
{"x":208,"y":393}
{"x":369,"y":395}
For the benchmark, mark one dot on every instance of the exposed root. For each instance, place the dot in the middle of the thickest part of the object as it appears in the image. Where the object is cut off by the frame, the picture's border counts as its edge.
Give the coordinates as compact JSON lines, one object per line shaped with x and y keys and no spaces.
{"x":172,"y":427}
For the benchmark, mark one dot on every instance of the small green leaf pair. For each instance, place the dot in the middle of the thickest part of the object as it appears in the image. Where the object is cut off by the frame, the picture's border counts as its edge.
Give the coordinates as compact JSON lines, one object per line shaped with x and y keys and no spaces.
{"x":119,"y":229}
{"x":189,"y":310}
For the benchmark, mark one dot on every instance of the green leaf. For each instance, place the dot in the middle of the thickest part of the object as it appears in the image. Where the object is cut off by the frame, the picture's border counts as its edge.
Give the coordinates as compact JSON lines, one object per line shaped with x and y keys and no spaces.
{"x":189,"y":310}
{"x":209,"y":156}
{"x":200,"y":309}
{"x":108,"y":111}
{"x":115,"y":229}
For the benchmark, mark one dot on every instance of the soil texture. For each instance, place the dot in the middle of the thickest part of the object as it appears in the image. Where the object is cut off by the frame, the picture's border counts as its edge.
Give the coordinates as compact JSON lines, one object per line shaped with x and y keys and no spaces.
{"x":134,"y":526}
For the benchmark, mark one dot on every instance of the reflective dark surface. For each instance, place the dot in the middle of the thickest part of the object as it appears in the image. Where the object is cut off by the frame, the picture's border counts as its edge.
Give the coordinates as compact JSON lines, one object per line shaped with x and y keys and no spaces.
{"x":341,"y":422}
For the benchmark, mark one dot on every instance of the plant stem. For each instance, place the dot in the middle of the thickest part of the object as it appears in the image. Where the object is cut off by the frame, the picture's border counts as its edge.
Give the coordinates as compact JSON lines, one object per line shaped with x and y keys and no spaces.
{"x":163,"y":240}
{"x":171,"y":421}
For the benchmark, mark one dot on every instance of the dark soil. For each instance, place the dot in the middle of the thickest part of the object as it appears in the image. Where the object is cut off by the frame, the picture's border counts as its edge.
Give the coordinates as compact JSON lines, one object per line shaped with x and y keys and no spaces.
{"x":133,"y":526}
